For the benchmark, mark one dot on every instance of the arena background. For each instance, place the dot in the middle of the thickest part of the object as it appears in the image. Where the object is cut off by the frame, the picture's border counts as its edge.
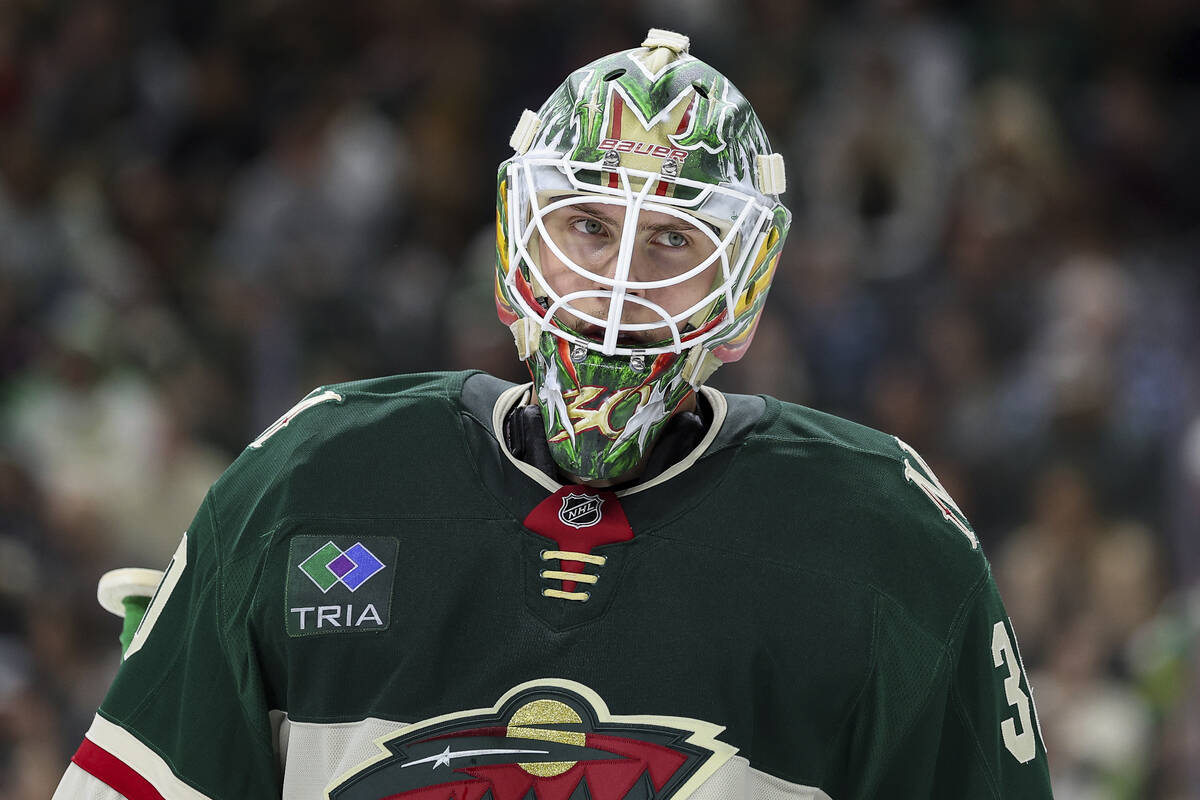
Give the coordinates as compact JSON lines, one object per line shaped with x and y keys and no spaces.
{"x":209,"y":207}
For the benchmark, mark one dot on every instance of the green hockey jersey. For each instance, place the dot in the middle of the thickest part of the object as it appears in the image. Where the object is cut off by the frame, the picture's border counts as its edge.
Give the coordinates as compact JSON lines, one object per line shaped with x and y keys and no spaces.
{"x":378,"y":600}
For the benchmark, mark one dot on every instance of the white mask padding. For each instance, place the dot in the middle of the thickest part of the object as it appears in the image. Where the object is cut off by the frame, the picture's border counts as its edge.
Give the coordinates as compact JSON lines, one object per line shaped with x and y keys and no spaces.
{"x":745,"y":219}
{"x":527,"y":128}
{"x":769,"y":174}
{"x":659,"y":37}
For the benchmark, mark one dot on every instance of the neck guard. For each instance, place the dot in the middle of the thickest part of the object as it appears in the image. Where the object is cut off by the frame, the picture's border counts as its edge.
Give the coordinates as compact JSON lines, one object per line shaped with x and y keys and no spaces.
{"x":525,"y":435}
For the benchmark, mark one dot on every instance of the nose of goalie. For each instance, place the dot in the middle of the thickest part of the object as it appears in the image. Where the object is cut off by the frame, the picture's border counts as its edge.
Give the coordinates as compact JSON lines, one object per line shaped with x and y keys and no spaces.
{"x":662,"y":271}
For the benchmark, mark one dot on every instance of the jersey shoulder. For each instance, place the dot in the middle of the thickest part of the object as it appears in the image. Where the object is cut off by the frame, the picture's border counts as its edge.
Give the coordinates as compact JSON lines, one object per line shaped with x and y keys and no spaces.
{"x":363,"y":448}
{"x":789,"y":422}
{"x":860,"y":505}
{"x":847,"y":463}
{"x":336,"y":416}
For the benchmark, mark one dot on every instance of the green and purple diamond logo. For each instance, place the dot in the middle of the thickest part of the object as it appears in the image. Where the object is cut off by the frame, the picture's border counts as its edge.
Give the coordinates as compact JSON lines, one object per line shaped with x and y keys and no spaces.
{"x":331,"y":565}
{"x":346,"y":585}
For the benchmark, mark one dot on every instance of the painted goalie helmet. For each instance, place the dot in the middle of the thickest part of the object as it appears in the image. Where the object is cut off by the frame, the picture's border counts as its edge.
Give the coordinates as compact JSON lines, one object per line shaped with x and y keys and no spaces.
{"x":638,"y":229}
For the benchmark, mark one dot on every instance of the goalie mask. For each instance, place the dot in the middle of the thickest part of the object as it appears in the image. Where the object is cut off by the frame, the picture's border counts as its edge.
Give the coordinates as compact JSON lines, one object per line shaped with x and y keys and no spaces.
{"x":638,"y":229}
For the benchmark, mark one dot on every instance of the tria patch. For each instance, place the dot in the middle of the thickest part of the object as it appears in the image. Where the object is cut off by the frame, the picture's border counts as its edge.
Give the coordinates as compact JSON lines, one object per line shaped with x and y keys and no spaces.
{"x":339,"y":584}
{"x":543,"y":740}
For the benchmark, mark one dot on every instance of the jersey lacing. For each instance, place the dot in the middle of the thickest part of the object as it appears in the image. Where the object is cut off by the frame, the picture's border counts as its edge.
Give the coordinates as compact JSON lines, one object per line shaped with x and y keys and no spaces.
{"x":577,"y":577}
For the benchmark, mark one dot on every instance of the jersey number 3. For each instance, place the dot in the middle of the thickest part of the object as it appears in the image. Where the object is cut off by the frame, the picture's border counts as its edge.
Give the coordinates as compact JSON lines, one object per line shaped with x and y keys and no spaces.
{"x":1021,"y":743}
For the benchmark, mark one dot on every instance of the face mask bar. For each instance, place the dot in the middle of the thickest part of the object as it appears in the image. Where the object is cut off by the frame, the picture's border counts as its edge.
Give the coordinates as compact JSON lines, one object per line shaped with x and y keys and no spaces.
{"x":630,"y":211}
{"x":738,"y":214}
{"x":619,"y":284}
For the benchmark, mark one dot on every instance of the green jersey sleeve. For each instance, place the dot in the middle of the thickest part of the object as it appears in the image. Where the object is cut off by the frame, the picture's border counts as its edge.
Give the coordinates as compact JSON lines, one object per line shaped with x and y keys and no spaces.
{"x":974,"y":732}
{"x":991,"y":743}
{"x":186,"y":715}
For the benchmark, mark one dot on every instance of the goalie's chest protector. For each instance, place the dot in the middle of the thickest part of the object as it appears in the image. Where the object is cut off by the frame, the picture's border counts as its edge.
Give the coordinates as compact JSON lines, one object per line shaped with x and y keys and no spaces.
{"x":430,"y":621}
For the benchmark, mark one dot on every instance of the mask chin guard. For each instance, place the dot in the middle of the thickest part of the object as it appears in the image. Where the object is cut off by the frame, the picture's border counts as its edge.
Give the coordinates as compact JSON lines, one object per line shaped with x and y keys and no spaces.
{"x":699,"y":366}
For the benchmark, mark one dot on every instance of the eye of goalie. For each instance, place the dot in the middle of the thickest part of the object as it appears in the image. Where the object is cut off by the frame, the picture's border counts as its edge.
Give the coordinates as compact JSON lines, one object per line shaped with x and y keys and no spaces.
{"x":647,"y":276}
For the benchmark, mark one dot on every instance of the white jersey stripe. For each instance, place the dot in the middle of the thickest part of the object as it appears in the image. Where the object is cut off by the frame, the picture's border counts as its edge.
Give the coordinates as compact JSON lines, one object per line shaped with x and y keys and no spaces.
{"x":140,"y":758}
{"x":312,"y":753}
{"x":316,"y":753}
{"x":78,"y":784}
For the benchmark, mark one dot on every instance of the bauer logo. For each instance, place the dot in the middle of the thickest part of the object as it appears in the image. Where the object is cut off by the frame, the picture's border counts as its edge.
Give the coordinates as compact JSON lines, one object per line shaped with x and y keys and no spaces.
{"x":339,"y":584}
{"x":642,"y":148}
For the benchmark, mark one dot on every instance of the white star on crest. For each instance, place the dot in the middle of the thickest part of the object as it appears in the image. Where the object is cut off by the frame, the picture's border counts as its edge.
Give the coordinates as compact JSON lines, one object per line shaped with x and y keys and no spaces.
{"x":444,"y":758}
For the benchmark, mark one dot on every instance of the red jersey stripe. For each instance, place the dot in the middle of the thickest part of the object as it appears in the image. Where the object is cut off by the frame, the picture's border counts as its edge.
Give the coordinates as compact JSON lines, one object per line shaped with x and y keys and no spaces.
{"x":114,"y":772}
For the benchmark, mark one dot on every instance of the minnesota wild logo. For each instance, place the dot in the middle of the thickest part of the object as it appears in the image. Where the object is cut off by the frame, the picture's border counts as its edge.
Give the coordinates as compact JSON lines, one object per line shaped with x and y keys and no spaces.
{"x":544,"y":739}
{"x":685,"y":109}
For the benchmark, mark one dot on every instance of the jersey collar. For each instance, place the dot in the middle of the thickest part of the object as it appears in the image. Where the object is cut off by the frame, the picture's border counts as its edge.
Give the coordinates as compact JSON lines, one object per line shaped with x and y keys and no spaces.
{"x":521,"y":395}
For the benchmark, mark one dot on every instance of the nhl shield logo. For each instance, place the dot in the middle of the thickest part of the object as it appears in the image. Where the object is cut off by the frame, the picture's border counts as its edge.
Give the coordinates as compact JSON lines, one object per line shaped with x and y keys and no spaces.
{"x":580,"y":510}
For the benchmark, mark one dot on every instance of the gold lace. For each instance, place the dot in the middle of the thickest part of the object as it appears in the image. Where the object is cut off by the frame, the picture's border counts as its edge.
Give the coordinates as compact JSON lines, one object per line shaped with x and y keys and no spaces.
{"x":578,"y":577}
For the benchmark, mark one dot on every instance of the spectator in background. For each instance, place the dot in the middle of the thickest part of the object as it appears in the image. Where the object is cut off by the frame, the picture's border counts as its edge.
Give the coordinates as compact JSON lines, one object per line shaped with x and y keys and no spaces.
{"x":1083,"y":584}
{"x":1001,"y":183}
{"x":1071,"y":562}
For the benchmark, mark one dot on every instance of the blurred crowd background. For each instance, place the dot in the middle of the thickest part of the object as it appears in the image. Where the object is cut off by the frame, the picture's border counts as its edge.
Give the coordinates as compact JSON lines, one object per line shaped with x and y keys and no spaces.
{"x":209,"y":207}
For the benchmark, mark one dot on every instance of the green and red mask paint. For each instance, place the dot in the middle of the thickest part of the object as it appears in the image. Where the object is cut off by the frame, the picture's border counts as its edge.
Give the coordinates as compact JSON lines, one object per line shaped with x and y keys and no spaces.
{"x":601,"y":413}
{"x":648,"y":130}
